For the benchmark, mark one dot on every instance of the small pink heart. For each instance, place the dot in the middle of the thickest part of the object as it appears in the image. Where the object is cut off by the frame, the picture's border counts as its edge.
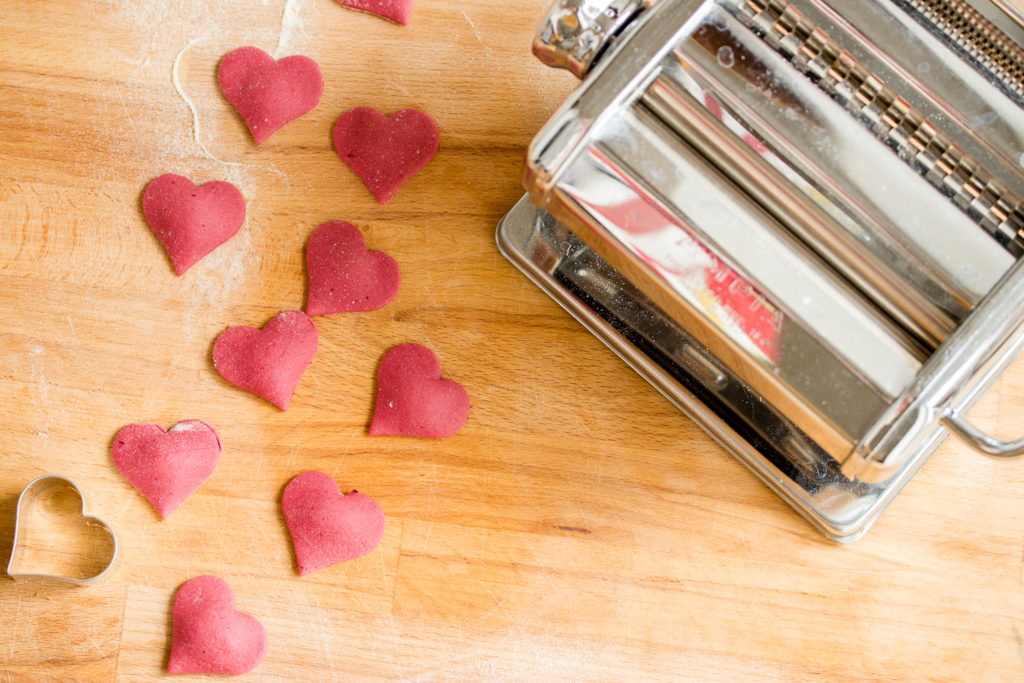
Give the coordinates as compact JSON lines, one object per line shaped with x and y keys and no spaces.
{"x":267,"y":93}
{"x":166,"y":466}
{"x":268,"y":362}
{"x":385,"y":151}
{"x":413,"y":399}
{"x":209,"y":636}
{"x":395,"y":10}
{"x":327,"y":526}
{"x":191,"y":221}
{"x":344,"y":276}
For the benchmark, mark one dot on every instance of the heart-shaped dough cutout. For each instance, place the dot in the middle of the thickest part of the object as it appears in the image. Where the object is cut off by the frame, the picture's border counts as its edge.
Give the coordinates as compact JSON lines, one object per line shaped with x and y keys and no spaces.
{"x":268,"y":93}
{"x":344,"y":276}
{"x":268,"y":362}
{"x":385,"y":151}
{"x":191,"y":221}
{"x":209,"y":636}
{"x":327,"y":526}
{"x":54,"y":538}
{"x":413,"y":399}
{"x":166,"y":466}
{"x":395,"y":10}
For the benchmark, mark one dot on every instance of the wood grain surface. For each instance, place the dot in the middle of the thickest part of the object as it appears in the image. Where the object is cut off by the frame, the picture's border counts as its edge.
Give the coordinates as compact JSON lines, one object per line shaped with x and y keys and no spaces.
{"x":577,"y":528}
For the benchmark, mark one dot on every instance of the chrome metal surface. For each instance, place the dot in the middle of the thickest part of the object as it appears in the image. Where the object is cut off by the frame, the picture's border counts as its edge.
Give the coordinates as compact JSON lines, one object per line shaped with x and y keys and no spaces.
{"x":978,"y":440}
{"x":949,"y":382}
{"x":790,"y":327}
{"x":963,"y":26}
{"x":1012,"y":12}
{"x":910,"y":236}
{"x":917,"y":139}
{"x":575,"y":32}
{"x":689,"y":376}
{"x":810,"y":207}
{"x":817,"y":222}
{"x":32,"y":491}
{"x":939,"y":82}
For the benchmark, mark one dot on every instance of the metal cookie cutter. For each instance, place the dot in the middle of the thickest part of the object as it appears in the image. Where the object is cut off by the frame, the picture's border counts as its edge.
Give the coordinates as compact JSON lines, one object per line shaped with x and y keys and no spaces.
{"x":31,"y":515}
{"x":801,"y":221}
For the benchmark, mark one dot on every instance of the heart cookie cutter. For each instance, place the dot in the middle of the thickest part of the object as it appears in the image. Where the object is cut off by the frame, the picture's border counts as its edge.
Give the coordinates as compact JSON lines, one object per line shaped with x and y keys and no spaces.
{"x":25,"y":525}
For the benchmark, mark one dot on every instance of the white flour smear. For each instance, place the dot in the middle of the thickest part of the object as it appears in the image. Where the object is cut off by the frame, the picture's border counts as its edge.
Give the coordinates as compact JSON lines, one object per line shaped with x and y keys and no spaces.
{"x":217,"y":280}
{"x":291,"y":27}
{"x":188,"y":101}
{"x":190,"y":25}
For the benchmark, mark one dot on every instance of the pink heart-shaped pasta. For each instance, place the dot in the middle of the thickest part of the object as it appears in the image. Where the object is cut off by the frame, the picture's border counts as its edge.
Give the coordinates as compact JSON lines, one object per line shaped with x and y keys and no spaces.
{"x":166,"y":466}
{"x":395,"y":10}
{"x":413,"y":399}
{"x":191,"y":221}
{"x":268,"y":362}
{"x":326,"y":525}
{"x":209,"y":636}
{"x":344,"y":276}
{"x":268,"y":93}
{"x":385,"y":151}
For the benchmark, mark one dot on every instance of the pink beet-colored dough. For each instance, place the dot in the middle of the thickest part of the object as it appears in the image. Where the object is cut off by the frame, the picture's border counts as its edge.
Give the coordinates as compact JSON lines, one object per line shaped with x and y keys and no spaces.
{"x":268,"y":362}
{"x":395,"y":10}
{"x":413,"y":399}
{"x":166,"y":466}
{"x":267,"y":93}
{"x":385,"y":151}
{"x":209,"y":636}
{"x":343,"y":275}
{"x":327,"y":526}
{"x":191,"y":221}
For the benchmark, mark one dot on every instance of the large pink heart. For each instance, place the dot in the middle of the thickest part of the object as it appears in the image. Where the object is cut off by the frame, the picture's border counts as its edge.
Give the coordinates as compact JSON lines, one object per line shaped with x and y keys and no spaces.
{"x":191,"y":221}
{"x":209,"y":636}
{"x":268,"y":362}
{"x":413,"y":399}
{"x":385,"y":151}
{"x":166,"y":466}
{"x":267,"y":93}
{"x":327,"y":526}
{"x":395,"y":10}
{"x":343,"y":275}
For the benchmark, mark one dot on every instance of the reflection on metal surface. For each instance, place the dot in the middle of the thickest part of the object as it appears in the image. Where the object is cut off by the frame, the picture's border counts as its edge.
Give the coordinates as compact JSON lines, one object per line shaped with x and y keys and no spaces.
{"x":795,"y":331}
{"x":649,"y":340}
{"x":974,"y":35}
{"x":871,"y":266}
{"x":915,"y":138}
{"x":912,"y":237}
{"x":1010,"y":11}
{"x":574,"y":32}
{"x":799,"y":220}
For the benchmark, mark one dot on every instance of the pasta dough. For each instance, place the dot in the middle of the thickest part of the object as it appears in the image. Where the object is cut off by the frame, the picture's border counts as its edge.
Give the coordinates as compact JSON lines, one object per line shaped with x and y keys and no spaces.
{"x":327,"y":526}
{"x":267,"y":93}
{"x":385,"y":151}
{"x":209,"y":636}
{"x":268,"y":362}
{"x":413,"y":399}
{"x":166,"y":466}
{"x":395,"y":10}
{"x":191,"y":221}
{"x":344,"y":276}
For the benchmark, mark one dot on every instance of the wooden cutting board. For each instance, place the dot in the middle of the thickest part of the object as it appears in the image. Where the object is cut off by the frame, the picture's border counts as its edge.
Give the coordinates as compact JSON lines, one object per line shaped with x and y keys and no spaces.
{"x":577,"y":528}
